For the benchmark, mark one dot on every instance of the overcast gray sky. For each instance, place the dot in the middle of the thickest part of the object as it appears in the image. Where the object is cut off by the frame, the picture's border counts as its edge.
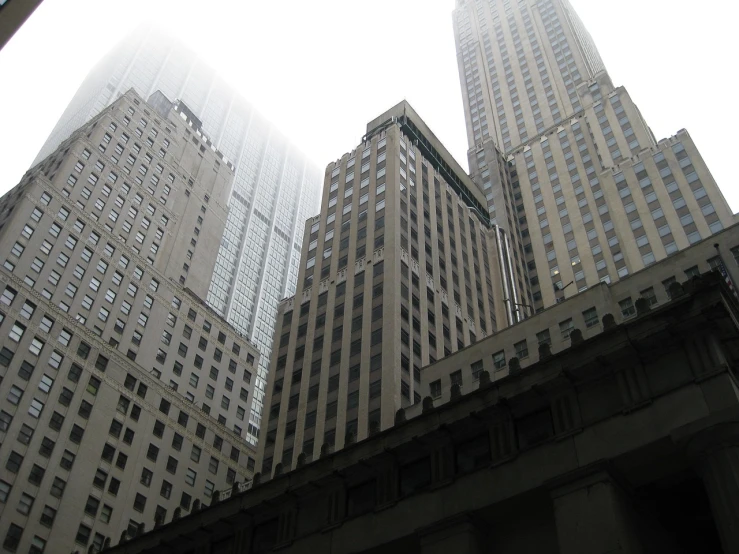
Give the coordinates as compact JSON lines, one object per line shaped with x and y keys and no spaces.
{"x":322,"y":69}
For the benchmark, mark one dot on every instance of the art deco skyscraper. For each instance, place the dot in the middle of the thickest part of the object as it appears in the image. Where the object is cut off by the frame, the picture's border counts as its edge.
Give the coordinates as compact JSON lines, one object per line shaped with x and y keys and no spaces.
{"x":123,"y":396}
{"x":275,"y":188}
{"x":595,"y":196}
{"x":401,"y":268}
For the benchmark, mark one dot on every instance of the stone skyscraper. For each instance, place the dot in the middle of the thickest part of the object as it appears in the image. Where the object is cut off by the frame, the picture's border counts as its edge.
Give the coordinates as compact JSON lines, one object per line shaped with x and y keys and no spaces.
{"x":124,"y":397}
{"x":595,"y":196}
{"x":400,"y":269}
{"x":275,"y":188}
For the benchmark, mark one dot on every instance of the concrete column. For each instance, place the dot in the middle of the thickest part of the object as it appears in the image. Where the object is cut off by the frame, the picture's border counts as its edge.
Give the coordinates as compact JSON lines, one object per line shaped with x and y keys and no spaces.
{"x":457,"y":535}
{"x":387,"y":484}
{"x":716,"y":451}
{"x":242,"y":540}
{"x":502,"y":437}
{"x":442,"y":462}
{"x":336,"y":504}
{"x":593,"y":515}
{"x":287,"y":525}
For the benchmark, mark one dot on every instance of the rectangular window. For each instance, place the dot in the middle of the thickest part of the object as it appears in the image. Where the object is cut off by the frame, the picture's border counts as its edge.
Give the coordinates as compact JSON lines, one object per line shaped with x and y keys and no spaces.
{"x":477,"y":368}
{"x":522,"y":350}
{"x":190,"y":477}
{"x":57,"y":487}
{"x":650,"y":296}
{"x":543,"y":337}
{"x":566,"y":327}
{"x":627,"y":307}
{"x":591,"y":317}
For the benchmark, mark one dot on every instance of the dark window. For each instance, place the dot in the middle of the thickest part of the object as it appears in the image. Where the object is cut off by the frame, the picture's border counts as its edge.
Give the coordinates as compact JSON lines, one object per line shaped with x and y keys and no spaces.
{"x":158,"y":429}
{"x":36,"y":475}
{"x":92,"y":506}
{"x":6,"y":356}
{"x":76,"y":434}
{"x":101,"y":363}
{"x":108,"y":453}
{"x":83,"y":350}
{"x":83,"y":534}
{"x":57,"y":487}
{"x":85,"y":409}
{"x":74,"y":374}
{"x":65,"y":397}
{"x":47,"y":516}
{"x":56,"y":421}
{"x":47,"y":447}
{"x":164,"y":406}
{"x":331,"y":410}
{"x":166,"y":489}
{"x":13,"y":538}
{"x":152,"y":453}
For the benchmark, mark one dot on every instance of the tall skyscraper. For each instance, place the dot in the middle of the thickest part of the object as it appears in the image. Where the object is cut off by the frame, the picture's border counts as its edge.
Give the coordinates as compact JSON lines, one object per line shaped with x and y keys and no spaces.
{"x":124,"y":396}
{"x":595,"y":196}
{"x":400,"y":268}
{"x":275,"y":188}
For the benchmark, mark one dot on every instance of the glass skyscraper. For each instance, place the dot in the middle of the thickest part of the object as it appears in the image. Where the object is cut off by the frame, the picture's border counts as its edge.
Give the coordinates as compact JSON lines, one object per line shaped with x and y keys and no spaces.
{"x":276,"y":189}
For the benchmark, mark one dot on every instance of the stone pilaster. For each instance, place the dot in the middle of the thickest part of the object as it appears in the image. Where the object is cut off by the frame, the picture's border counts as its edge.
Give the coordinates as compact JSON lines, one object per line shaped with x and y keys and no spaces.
{"x":716,"y":454}
{"x":566,"y":413}
{"x":633,"y":386}
{"x":706,"y":355}
{"x":387,"y":484}
{"x":287,"y":525}
{"x":502,"y":437}
{"x":593,"y":514}
{"x":459,"y":535}
{"x":242,"y":541}
{"x":336,"y":504}
{"x":442,"y":462}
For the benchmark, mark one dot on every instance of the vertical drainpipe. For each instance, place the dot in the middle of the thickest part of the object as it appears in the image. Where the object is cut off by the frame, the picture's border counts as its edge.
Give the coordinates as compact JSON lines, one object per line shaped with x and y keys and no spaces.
{"x":511,"y":276}
{"x":503,"y":273}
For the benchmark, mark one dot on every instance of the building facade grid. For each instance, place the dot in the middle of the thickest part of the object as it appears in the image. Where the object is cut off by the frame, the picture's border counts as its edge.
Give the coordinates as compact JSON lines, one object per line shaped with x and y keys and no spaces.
{"x":275,"y":188}
{"x":538,"y":100}
{"x":125,"y":397}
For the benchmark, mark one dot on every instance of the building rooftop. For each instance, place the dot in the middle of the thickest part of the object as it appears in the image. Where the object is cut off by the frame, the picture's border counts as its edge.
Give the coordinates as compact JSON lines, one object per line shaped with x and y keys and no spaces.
{"x":434,"y":151}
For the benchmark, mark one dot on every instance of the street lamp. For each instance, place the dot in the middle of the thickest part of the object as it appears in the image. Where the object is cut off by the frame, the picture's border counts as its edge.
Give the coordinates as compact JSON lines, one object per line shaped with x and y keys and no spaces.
{"x":558,"y":289}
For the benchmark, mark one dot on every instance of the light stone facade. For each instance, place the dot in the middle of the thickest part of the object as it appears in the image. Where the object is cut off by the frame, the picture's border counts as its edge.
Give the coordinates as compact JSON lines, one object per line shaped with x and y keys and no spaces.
{"x":584,"y":311}
{"x":275,"y":188}
{"x":124,"y":397}
{"x":625,"y":441}
{"x":589,"y":194}
{"x":400,"y":269}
